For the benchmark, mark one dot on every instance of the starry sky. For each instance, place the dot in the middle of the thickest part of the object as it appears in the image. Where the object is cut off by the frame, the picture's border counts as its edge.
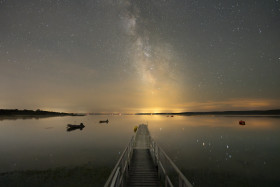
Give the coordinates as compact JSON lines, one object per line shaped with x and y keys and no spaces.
{"x":140,"y":55}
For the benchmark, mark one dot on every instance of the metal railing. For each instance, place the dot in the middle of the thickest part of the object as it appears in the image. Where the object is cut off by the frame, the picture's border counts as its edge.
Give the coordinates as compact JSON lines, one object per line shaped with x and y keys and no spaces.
{"x":168,"y":172}
{"x":120,"y":171}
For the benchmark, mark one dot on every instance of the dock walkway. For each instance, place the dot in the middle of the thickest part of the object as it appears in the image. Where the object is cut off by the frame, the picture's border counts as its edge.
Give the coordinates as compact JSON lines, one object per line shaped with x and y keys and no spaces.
{"x":142,"y":138}
{"x":142,"y":171}
{"x":144,"y":163}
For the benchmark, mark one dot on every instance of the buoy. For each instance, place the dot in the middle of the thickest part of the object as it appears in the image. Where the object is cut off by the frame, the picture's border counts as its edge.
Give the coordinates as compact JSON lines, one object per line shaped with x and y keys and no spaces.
{"x":135,"y":128}
{"x":241,"y":122}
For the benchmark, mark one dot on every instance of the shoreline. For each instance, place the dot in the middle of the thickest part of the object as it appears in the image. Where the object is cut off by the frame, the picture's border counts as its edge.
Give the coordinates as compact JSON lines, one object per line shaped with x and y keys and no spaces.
{"x":30,"y":114}
{"x":275,"y":112}
{"x":15,"y":117}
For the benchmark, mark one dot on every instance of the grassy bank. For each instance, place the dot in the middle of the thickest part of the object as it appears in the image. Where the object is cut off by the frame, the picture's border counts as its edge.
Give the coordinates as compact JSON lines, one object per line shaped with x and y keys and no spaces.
{"x":86,"y":175}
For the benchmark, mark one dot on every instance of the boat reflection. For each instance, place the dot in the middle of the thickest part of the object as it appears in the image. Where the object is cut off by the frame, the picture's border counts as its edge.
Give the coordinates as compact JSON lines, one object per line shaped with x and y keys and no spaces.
{"x":75,"y":127}
{"x":104,"y":121}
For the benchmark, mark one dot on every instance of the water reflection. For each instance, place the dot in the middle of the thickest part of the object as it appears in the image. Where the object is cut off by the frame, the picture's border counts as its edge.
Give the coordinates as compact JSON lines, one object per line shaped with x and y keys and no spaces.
{"x":209,"y":148}
{"x":206,"y":148}
{"x":104,"y":121}
{"x":69,"y":129}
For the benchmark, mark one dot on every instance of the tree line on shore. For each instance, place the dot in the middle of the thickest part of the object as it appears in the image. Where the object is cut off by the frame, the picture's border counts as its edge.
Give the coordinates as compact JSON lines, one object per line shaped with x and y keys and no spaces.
{"x":14,"y":112}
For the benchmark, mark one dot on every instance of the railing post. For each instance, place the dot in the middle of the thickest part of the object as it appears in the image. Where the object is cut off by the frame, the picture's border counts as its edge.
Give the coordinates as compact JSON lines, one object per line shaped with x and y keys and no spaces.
{"x":155,"y":152}
{"x":159,"y":171}
{"x":118,"y":179}
{"x":127,"y":165}
{"x":180,"y":181}
{"x":158,"y":161}
{"x":158,"y":154}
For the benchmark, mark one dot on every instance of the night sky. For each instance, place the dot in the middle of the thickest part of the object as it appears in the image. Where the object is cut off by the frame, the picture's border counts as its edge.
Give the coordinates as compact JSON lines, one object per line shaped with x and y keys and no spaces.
{"x":140,"y":55}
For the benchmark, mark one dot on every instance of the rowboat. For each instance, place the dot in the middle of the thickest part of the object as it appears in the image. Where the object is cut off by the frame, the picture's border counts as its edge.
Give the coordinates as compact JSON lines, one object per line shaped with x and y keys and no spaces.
{"x":76,"y":126}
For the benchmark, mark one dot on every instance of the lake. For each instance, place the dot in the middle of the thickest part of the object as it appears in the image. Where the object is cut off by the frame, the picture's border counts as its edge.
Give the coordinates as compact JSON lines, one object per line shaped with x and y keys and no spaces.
{"x":209,"y":150}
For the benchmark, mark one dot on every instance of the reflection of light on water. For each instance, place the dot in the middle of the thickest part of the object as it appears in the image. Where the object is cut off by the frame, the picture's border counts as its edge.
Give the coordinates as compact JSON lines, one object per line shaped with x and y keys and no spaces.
{"x":219,"y":144}
{"x":226,"y":146}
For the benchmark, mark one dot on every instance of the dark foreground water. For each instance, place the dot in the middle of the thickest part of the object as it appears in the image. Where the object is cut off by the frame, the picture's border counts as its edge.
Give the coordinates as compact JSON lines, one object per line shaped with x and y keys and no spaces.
{"x":210,"y":151}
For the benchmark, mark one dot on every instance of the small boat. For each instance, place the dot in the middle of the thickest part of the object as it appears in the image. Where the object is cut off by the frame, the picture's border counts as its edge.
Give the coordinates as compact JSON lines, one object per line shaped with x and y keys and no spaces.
{"x":71,"y":127}
{"x":241,"y":122}
{"x":172,"y":116}
{"x":104,"y":121}
{"x":76,"y":126}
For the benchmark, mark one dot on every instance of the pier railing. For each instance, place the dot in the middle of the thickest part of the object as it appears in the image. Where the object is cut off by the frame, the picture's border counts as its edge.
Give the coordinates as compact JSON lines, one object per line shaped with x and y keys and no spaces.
{"x":168,"y":172}
{"x":120,"y":172}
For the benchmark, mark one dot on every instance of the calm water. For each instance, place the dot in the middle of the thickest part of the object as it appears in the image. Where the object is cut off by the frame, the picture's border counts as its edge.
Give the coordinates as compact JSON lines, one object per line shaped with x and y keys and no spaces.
{"x":209,"y":150}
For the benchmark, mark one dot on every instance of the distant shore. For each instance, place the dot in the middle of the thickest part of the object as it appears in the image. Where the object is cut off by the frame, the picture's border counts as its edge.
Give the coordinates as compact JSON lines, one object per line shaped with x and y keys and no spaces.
{"x":33,"y":114}
{"x":275,"y":112}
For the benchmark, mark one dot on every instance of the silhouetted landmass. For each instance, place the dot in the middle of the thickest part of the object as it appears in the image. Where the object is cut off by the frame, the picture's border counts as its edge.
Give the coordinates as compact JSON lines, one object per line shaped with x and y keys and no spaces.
{"x":16,"y":112}
{"x":249,"y":112}
{"x":110,"y":113}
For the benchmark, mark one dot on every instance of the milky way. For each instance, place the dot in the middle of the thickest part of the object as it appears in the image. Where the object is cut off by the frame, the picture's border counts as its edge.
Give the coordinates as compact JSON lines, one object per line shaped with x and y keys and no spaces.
{"x":150,"y":56}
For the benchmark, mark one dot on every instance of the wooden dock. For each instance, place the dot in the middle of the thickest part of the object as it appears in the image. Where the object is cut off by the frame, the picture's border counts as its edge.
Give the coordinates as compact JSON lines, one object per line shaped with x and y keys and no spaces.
{"x":142,"y":171}
{"x":142,"y":138}
{"x":144,"y":163}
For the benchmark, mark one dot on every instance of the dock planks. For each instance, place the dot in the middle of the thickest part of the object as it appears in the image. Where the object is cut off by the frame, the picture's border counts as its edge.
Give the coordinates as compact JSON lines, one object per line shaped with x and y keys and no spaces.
{"x":142,"y":171}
